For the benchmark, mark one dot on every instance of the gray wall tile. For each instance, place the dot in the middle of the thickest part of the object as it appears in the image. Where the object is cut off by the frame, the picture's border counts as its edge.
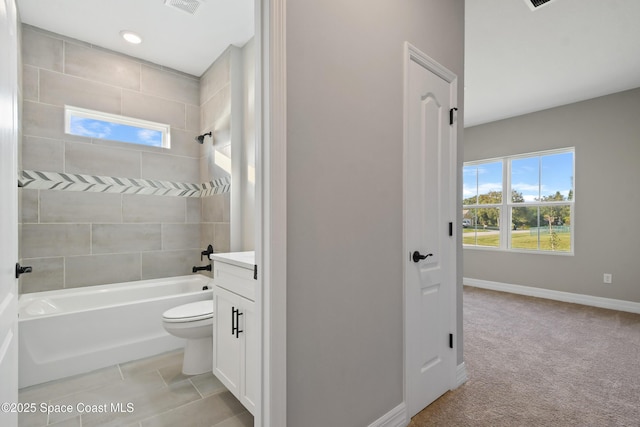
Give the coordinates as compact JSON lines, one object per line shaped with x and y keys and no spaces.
{"x":60,"y":89}
{"x":152,"y":108}
{"x":194,"y":208}
{"x":127,"y":146}
{"x":51,"y":240}
{"x":170,"y":168}
{"x":169,"y":263}
{"x":167,"y":84}
{"x":30,"y":82}
{"x":123,"y":238}
{"x":226,"y":213}
{"x":213,"y":208}
{"x":153,"y":209}
{"x":222,"y":237}
{"x":193,"y":119}
{"x":216,"y":77}
{"x":207,"y":236}
{"x":42,"y":154}
{"x":42,"y":120}
{"x":29,"y":208}
{"x":102,"y":66}
{"x":101,"y":269}
{"x":180,"y":236}
{"x":79,"y":207}
{"x":47,"y":275}
{"x":94,"y":159}
{"x":218,"y":234}
{"x":216,"y":110}
{"x":216,"y":163}
{"x":41,"y":50}
{"x":183,"y":143}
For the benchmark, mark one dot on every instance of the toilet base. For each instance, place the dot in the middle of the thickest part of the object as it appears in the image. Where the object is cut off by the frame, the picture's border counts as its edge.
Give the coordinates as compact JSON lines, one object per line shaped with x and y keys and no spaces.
{"x":198,"y":356}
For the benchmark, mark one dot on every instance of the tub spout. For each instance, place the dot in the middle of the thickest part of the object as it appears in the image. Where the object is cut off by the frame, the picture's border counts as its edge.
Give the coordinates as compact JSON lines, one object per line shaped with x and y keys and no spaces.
{"x":205,"y":268}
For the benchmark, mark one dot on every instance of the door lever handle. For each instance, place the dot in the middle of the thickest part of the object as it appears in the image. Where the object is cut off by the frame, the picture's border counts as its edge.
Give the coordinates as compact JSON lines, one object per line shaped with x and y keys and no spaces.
{"x":417,"y":257}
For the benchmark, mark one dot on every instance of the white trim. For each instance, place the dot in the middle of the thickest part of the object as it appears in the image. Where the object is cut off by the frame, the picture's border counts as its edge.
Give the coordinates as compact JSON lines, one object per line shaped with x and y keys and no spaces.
{"x":397,"y":417}
{"x":609,"y":303}
{"x":271,"y":232}
{"x":461,"y":375}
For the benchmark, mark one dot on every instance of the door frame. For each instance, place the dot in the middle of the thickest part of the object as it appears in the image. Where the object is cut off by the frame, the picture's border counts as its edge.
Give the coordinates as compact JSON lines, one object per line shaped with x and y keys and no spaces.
{"x":411,"y":53}
{"x":9,"y":137}
{"x":271,"y":208}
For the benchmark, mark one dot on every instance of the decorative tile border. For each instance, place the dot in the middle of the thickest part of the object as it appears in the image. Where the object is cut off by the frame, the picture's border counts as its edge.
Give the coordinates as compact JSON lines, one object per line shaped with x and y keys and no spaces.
{"x":38,"y":180}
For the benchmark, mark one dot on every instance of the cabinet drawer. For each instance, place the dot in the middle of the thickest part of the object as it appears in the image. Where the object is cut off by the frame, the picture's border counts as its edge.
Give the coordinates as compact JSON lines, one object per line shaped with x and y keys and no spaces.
{"x":235,"y":279}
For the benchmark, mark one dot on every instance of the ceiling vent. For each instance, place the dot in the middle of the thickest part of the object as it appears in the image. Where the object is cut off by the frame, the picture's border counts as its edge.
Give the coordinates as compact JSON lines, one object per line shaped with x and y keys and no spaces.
{"x":536,"y":4}
{"x":188,"y":6}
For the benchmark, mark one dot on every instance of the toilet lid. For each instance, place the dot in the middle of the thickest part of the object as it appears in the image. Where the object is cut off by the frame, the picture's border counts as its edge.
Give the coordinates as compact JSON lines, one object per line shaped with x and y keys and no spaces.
{"x":190,"y":312}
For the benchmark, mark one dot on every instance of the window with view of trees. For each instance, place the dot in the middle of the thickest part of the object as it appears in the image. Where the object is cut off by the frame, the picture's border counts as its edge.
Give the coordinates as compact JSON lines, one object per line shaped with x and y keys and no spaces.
{"x":520,"y":202}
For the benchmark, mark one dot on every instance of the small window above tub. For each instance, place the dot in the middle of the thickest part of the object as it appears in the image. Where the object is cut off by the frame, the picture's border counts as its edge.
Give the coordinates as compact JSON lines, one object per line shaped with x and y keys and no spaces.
{"x":96,"y":124}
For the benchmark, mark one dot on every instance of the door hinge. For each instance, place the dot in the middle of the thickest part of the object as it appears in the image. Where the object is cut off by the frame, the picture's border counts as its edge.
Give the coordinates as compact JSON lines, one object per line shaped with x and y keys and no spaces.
{"x":450,"y":340}
{"x":255,"y":271}
{"x":450,"y":229}
{"x":451,"y":114}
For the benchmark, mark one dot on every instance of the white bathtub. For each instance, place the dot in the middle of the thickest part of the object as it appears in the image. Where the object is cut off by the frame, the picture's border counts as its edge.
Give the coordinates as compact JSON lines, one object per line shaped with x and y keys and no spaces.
{"x":71,"y":331}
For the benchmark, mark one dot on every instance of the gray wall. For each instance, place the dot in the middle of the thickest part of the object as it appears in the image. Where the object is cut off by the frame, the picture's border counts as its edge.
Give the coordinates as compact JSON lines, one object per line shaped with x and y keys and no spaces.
{"x":606,"y":134}
{"x":75,"y":238}
{"x":344,"y":191}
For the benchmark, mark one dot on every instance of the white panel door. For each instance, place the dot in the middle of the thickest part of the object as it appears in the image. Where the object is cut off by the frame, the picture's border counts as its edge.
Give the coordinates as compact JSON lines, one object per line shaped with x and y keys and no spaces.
{"x":8,"y":211}
{"x":429,"y":250}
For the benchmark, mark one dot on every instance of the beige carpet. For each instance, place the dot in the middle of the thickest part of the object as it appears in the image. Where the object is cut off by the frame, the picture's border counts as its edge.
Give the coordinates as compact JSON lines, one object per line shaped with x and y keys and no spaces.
{"x":536,"y":362}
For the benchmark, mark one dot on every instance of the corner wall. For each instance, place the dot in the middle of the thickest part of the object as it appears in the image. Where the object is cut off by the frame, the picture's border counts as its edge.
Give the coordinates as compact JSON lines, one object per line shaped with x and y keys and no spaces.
{"x":605,"y":132}
{"x":344,"y":195}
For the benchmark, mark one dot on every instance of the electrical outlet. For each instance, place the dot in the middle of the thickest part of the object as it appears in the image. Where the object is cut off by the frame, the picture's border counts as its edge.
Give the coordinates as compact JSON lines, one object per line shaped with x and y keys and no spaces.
{"x":608,"y":278}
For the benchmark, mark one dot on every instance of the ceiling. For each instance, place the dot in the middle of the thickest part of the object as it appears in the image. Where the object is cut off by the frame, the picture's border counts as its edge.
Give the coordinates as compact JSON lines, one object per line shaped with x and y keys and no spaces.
{"x":516,"y":60}
{"x":171,"y":37}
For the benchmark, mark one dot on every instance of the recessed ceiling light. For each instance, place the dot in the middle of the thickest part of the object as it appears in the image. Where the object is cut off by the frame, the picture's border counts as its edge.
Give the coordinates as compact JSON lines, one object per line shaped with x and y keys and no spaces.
{"x":131,"y":37}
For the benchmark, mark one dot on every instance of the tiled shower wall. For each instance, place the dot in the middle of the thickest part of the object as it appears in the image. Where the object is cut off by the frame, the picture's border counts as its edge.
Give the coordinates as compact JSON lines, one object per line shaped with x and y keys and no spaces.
{"x":80,"y":238}
{"x":215,"y":152}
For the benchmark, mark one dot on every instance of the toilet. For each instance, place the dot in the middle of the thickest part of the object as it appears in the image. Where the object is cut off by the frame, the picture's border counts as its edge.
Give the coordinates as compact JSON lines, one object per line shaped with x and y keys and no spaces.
{"x":194,"y":322}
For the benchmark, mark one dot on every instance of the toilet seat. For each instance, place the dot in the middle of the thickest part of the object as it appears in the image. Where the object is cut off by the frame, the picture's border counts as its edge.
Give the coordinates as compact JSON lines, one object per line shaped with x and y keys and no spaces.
{"x":199,"y":310}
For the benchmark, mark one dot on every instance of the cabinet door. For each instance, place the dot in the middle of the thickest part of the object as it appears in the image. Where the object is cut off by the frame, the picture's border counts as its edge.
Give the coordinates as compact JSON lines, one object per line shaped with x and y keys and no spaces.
{"x":226,"y":347}
{"x":249,"y":357}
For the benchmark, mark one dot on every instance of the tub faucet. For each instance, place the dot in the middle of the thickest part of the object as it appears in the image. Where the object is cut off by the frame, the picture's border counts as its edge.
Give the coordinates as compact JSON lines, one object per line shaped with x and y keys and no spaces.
{"x":205,"y":268}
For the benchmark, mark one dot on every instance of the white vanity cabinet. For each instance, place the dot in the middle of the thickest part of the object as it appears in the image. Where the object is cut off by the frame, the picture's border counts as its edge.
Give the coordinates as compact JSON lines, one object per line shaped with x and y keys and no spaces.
{"x":236,"y":352}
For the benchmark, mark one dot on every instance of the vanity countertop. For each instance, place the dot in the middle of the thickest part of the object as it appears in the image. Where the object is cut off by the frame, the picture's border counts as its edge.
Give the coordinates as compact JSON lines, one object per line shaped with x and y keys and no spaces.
{"x":240,"y":259}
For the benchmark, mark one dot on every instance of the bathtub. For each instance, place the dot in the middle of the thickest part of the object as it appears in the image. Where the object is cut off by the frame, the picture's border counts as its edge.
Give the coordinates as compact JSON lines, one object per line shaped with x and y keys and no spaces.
{"x":72,"y":331}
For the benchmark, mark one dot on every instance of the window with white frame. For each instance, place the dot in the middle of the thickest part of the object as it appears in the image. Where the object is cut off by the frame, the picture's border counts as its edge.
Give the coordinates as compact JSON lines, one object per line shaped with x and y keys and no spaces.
{"x":520,"y":203}
{"x":113,"y":127}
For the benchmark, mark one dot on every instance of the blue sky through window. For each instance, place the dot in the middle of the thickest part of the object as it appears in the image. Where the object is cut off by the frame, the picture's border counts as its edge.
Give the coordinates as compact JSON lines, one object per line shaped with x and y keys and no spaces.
{"x":533,"y":177}
{"x":101,"y":129}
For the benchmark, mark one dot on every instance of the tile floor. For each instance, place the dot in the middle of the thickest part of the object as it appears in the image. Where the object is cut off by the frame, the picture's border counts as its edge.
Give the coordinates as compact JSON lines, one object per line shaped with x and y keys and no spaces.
{"x":152,"y":392}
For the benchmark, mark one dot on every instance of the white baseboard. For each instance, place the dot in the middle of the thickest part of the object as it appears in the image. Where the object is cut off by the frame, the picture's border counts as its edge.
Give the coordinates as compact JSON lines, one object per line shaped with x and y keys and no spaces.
{"x":610,"y":303}
{"x":397,"y":417}
{"x":461,"y":375}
